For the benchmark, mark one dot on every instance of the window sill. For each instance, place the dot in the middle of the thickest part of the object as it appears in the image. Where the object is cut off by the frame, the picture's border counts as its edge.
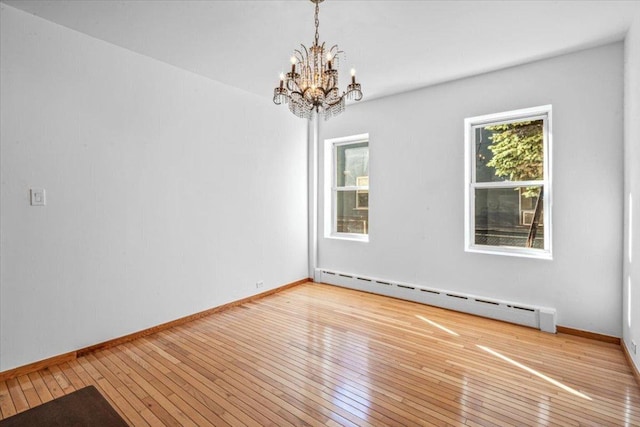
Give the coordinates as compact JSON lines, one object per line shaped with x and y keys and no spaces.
{"x":349,"y":236}
{"x":514,"y":252}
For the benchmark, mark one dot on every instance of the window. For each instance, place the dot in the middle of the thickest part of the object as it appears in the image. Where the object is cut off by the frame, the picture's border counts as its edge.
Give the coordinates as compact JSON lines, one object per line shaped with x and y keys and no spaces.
{"x":508,"y":183}
{"x":347,"y":187}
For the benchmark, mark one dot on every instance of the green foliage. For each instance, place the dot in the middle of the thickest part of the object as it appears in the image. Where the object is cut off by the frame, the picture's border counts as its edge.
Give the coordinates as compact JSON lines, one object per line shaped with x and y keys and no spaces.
{"x":518,"y":152}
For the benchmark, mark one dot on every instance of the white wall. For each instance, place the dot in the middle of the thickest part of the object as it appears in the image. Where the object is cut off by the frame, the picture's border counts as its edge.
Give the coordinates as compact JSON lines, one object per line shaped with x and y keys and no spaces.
{"x":417,"y":188}
{"x":167,"y":193}
{"x":631,"y":270}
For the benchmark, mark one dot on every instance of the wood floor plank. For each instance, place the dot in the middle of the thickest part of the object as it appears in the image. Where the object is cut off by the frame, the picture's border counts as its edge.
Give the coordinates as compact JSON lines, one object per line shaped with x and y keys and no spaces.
{"x":117,"y":400}
{"x":29,"y":391}
{"x":319,"y":355}
{"x":55,"y":381}
{"x":38,"y":384}
{"x":75,"y":382}
{"x":126,"y":396}
{"x":154,"y":396}
{"x":7,"y":408}
{"x":17,"y":396}
{"x":129,"y":378}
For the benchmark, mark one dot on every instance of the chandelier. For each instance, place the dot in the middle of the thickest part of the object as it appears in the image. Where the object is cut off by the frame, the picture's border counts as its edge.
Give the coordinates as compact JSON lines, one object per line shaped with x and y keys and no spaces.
{"x":312,"y":83}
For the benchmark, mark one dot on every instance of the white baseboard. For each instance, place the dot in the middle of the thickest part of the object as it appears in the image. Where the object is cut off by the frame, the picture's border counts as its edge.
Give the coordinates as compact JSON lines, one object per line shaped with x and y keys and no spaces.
{"x":543,"y":318}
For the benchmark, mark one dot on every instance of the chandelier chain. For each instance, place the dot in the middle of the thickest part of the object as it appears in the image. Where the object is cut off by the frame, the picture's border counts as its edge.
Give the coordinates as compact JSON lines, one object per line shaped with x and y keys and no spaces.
{"x":317,"y":22}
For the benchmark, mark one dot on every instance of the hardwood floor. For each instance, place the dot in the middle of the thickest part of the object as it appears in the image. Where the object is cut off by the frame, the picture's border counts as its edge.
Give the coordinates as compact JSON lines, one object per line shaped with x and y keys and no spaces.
{"x":321,"y":355}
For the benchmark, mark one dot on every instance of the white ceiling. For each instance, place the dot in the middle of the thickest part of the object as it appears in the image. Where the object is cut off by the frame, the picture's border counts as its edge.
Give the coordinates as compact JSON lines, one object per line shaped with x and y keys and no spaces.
{"x":394,"y":45}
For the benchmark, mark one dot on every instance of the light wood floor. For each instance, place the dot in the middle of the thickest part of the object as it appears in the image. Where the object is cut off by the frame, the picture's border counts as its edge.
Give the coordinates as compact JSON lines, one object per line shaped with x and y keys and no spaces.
{"x":321,"y":355}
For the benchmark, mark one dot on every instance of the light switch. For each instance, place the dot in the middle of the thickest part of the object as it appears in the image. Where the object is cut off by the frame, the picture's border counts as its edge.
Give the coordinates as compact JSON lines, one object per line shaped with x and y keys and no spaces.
{"x":38,"y":197}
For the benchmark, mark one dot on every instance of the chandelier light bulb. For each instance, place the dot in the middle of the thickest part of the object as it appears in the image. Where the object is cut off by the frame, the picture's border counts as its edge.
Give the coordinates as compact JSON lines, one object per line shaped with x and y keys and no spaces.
{"x":293,"y":66}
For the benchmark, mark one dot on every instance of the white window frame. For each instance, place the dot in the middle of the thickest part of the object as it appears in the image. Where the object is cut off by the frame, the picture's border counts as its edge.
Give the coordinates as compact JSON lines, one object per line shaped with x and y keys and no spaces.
{"x":470,"y":124}
{"x":331,"y":189}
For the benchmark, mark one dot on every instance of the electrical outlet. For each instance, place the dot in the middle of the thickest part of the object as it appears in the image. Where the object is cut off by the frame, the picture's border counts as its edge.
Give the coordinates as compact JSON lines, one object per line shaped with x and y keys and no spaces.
{"x":259,"y":284}
{"x":634,"y":347}
{"x":38,"y":197}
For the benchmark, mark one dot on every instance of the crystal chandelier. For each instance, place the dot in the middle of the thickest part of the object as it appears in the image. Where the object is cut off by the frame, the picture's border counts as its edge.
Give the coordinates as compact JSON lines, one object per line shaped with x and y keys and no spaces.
{"x":312,"y":83}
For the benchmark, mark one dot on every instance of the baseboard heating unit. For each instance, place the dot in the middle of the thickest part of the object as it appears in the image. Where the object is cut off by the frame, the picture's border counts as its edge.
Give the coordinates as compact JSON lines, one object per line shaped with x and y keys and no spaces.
{"x":542,"y":318}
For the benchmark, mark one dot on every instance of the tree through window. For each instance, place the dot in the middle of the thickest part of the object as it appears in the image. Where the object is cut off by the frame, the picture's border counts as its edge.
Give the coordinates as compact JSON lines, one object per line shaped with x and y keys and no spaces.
{"x":508,"y":185}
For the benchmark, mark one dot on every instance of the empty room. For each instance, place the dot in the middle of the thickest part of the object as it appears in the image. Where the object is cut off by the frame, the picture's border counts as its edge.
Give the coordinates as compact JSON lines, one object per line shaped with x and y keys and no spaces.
{"x":319,"y":213}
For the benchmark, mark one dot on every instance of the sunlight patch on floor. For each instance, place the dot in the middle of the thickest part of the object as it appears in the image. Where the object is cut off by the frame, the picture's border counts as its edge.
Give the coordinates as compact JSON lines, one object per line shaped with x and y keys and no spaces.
{"x":534,"y":372}
{"x":437,"y":325}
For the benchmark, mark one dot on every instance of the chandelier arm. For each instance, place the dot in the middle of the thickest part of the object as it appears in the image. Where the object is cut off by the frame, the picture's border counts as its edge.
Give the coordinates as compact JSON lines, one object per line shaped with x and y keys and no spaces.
{"x":334,"y":51}
{"x":335,"y":103}
{"x":291,"y":84}
{"x":328,"y":91}
{"x":297,"y":92}
{"x":301,"y":57}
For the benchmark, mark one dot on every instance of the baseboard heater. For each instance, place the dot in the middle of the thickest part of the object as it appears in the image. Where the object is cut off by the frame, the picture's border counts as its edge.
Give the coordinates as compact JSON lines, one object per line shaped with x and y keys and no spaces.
{"x":542,"y":318}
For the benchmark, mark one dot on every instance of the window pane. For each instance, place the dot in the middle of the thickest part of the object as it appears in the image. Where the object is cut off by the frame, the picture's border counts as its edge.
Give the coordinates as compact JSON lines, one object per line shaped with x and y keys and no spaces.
{"x":512,"y":151}
{"x":352,"y":163}
{"x":352,"y":214}
{"x":507,"y":217}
